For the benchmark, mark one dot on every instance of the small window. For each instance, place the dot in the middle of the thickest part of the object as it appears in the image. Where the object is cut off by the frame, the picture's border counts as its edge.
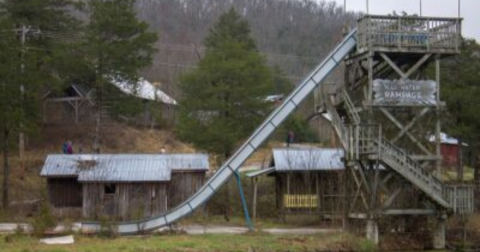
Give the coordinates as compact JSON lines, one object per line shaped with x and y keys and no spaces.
{"x":110,"y":189}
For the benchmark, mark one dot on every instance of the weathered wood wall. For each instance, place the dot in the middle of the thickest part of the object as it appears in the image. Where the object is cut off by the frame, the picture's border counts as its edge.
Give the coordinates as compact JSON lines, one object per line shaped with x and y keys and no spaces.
{"x":68,"y":113}
{"x":327,"y":185}
{"x":182,"y":185}
{"x":130,"y":201}
{"x":64,"y":192}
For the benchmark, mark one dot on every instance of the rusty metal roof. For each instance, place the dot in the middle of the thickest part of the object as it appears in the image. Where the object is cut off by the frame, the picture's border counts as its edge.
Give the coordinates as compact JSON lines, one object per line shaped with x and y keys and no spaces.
{"x":122,"y":167}
{"x":307,"y":158}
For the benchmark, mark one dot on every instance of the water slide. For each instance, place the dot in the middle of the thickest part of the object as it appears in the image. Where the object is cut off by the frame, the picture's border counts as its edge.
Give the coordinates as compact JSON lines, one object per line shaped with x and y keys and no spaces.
{"x":273,"y":121}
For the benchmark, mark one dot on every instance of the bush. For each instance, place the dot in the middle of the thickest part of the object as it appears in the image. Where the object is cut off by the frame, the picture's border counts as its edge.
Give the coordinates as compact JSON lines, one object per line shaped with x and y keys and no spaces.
{"x":367,"y":246}
{"x":43,"y":220}
{"x":108,"y":228}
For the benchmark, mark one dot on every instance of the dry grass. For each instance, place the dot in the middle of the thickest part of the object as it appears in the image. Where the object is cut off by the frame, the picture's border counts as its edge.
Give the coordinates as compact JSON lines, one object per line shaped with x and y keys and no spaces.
{"x":115,"y":138}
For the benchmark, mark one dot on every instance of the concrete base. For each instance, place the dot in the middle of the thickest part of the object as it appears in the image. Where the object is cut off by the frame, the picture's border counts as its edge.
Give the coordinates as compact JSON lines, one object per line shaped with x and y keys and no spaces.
{"x":372,"y":231}
{"x":439,"y":233}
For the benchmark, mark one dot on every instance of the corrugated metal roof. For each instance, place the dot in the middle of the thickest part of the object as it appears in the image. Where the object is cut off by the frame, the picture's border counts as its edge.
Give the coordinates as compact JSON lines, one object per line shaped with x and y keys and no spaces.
{"x":127,"y":169}
{"x":122,"y":167}
{"x":60,"y":165}
{"x":308,"y":158}
{"x":192,"y":161}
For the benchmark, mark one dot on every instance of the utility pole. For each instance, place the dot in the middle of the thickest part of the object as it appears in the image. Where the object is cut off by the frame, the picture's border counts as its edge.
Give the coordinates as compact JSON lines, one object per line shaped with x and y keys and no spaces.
{"x":24,"y":30}
{"x":21,"y":138}
{"x":459,"y":8}
{"x":420,"y":8}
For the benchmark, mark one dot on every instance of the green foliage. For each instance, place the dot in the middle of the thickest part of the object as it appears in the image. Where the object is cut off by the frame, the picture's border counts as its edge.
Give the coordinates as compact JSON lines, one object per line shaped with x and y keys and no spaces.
{"x":117,"y":44}
{"x":28,"y":61}
{"x":107,"y":228}
{"x":460,"y":90}
{"x":365,"y":245}
{"x":302,"y":131}
{"x":43,"y":220}
{"x":223,"y":98}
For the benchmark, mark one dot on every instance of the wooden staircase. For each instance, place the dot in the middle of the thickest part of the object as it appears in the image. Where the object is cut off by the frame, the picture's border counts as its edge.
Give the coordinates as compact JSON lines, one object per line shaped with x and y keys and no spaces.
{"x":365,"y":141}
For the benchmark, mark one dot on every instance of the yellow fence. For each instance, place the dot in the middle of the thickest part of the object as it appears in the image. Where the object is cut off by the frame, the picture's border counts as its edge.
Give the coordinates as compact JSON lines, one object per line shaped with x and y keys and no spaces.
{"x":300,"y":201}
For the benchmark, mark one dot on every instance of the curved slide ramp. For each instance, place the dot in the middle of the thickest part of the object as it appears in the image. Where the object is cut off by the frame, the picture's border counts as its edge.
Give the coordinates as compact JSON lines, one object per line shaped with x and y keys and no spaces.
{"x":261,"y":134}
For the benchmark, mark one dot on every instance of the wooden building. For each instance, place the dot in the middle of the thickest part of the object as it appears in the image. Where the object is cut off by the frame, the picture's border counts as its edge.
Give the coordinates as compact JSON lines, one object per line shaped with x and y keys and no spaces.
{"x":72,"y":105}
{"x":122,"y":186}
{"x":75,"y":104}
{"x":449,"y":148}
{"x":309,"y":181}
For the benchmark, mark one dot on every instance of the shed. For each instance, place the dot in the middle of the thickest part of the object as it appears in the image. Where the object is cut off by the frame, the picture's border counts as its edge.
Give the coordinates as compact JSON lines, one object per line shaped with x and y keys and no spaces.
{"x":308,"y":180}
{"x":448,"y":148}
{"x":123,"y":186}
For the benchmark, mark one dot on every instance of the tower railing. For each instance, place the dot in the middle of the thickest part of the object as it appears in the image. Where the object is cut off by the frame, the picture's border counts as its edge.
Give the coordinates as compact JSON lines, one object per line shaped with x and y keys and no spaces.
{"x":409,"y":34}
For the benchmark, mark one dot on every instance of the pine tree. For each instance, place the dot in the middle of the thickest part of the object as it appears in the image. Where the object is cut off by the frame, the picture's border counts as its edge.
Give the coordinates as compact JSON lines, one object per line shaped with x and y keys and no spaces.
{"x":117,"y":45}
{"x":28,"y":54}
{"x":460,"y":90}
{"x":223,"y":99}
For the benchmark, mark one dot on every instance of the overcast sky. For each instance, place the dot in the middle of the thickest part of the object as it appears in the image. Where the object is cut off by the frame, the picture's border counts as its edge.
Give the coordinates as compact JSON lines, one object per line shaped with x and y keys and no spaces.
{"x":470,"y":10}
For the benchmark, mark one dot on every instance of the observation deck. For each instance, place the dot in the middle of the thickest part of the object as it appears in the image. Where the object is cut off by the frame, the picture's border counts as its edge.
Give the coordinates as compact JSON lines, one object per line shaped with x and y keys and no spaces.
{"x":409,"y":34}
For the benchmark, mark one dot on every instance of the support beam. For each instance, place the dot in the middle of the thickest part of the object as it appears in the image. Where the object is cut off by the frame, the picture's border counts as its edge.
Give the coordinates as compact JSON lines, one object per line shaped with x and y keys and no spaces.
{"x":438,"y":163}
{"x":400,"y":126}
{"x":393,"y":66}
{"x":244,"y":202}
{"x":392,"y":197}
{"x":417,"y":65}
{"x":408,"y":212}
{"x":254,"y":210}
{"x":439,"y":233}
{"x":372,"y":230}
{"x":410,"y":124}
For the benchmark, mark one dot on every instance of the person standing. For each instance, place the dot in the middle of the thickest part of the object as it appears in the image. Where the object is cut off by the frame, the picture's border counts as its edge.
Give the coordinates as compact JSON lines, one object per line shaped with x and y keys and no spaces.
{"x":69,"y":147}
{"x":290,"y":137}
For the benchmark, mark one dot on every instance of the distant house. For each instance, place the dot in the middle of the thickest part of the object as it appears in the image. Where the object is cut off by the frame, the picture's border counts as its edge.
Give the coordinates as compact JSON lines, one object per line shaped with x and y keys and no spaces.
{"x":76,"y":103}
{"x":122,"y":186}
{"x":448,"y":148}
{"x":308,"y":180}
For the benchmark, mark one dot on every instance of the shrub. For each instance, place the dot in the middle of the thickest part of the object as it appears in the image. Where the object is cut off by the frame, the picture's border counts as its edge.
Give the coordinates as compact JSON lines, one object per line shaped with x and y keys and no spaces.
{"x":43,"y":220}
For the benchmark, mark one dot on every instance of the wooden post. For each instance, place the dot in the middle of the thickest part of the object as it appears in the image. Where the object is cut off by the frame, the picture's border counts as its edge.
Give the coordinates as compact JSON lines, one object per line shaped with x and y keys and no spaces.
{"x":76,"y":111}
{"x":438,"y":163}
{"x":254,"y":210}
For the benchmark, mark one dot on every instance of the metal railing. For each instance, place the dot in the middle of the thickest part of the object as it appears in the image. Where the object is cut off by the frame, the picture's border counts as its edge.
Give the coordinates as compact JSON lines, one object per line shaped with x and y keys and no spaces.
{"x":409,"y":33}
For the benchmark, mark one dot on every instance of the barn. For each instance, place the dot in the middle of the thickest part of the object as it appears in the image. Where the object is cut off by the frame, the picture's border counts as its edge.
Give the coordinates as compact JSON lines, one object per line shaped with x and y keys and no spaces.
{"x":307,"y":179}
{"x":122,"y":186}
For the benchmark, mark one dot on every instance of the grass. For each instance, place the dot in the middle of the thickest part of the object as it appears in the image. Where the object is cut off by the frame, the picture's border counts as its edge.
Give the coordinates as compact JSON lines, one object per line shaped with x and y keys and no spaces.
{"x":468,"y":174}
{"x":209,"y":242}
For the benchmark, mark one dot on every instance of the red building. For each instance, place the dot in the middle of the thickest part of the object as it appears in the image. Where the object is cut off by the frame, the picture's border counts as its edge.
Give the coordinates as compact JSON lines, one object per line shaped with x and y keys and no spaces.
{"x":449,"y":149}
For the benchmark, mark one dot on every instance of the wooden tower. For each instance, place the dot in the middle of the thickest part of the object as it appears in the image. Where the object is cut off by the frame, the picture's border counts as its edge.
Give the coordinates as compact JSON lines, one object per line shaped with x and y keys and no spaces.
{"x":387,"y":116}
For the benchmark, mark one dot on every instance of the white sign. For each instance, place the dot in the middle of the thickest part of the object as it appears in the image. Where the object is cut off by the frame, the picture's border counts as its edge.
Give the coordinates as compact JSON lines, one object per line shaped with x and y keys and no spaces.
{"x":404,"y":92}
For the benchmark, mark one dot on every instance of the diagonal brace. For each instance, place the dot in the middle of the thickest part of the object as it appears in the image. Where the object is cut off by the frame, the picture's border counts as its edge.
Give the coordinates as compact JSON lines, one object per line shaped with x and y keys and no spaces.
{"x":410,"y":125}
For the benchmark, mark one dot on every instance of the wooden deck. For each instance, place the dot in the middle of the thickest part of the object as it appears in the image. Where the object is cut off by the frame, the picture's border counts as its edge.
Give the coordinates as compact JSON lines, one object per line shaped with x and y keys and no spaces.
{"x":409,"y":34}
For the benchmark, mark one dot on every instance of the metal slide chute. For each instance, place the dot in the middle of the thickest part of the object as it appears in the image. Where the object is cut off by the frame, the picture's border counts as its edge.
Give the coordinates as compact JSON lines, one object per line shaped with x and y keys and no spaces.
{"x":244,"y":152}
